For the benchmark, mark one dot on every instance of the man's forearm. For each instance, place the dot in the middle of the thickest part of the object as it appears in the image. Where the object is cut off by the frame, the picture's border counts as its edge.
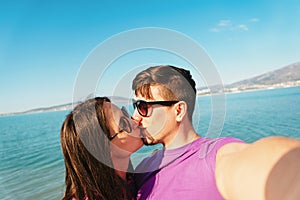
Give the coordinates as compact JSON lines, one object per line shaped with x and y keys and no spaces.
{"x":266,"y":169}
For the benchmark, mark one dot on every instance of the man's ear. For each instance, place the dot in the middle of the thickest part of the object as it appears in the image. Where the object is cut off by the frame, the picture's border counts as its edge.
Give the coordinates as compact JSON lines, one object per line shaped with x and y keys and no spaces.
{"x":181,"y":110}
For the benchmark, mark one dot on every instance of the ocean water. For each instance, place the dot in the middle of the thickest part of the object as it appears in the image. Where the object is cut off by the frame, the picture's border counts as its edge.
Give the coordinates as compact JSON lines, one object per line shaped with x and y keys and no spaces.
{"x":31,"y":162}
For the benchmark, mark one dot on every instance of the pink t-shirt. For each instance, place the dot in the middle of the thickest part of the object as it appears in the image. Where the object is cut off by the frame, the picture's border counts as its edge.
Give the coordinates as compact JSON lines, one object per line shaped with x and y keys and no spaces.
{"x":187,"y":172}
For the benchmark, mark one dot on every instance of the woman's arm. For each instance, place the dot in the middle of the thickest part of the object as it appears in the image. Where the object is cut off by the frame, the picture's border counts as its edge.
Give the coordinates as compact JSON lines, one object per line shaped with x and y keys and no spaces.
{"x":266,"y":169}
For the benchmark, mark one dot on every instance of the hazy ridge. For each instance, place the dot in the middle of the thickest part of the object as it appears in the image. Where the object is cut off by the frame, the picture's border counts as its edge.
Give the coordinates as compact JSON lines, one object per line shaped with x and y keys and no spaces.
{"x":287,"y":76}
{"x":67,"y":106}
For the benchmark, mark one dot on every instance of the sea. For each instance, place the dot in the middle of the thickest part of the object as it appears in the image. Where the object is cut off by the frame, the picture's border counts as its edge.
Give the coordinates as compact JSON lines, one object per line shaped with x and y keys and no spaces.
{"x":31,"y":162}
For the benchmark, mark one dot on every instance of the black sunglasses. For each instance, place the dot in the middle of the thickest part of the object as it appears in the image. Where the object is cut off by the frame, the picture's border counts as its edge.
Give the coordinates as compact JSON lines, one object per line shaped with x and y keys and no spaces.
{"x":144,"y":106}
{"x":124,"y":124}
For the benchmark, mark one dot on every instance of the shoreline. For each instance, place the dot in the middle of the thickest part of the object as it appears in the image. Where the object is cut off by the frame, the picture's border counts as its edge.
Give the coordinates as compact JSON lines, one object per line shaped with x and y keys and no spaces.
{"x":249,"y":89}
{"x":69,"y":106}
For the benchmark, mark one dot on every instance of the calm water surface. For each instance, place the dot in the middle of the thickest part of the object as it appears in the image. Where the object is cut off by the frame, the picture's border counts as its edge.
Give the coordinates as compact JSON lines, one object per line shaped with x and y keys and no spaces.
{"x":31,"y":162}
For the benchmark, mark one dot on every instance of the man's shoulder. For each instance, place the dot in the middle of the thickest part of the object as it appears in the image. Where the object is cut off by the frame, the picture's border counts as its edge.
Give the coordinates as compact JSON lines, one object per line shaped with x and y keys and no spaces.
{"x":213,"y":145}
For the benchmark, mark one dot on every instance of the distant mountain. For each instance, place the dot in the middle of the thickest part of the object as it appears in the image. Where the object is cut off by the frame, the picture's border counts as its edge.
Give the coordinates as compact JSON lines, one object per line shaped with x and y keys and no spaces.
{"x":45,"y":109}
{"x":290,"y":73}
{"x":67,"y":106}
{"x":284,"y":77}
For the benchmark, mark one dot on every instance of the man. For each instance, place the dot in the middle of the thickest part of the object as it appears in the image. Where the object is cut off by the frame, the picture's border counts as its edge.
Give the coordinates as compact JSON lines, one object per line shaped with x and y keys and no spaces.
{"x":193,"y":167}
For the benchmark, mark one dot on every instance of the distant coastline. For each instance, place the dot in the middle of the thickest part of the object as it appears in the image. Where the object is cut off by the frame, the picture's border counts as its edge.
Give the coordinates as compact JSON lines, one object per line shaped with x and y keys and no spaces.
{"x":288,"y":76}
{"x":201,"y":92}
{"x":247,"y":88}
{"x":68,"y":106}
{"x":41,"y":110}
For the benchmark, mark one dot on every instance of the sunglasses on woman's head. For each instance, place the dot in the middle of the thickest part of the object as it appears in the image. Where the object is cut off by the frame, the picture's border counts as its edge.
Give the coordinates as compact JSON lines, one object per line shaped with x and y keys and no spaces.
{"x":124,"y":124}
{"x":144,"y":106}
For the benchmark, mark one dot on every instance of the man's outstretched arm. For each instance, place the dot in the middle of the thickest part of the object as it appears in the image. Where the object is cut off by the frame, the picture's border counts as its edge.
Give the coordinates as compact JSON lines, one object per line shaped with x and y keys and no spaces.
{"x":266,"y":169}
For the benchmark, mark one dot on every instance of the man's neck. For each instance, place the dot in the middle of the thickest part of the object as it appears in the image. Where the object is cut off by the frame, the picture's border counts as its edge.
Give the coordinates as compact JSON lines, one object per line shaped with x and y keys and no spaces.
{"x":184,"y":134}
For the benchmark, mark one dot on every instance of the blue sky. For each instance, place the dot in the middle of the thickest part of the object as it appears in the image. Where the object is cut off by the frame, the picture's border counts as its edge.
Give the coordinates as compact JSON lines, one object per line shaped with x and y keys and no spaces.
{"x":44,"y":43}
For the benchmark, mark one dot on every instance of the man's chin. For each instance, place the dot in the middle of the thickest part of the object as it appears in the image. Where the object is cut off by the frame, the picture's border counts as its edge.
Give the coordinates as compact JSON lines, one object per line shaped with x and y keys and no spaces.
{"x":148,"y":141}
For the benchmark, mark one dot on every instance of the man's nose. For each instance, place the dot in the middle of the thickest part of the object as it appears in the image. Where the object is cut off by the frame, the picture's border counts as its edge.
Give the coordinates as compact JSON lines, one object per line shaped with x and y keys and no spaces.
{"x":136,"y":117}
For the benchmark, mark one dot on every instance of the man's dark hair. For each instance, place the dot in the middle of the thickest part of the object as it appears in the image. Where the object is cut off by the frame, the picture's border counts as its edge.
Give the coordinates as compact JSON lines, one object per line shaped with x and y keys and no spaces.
{"x":174,"y":83}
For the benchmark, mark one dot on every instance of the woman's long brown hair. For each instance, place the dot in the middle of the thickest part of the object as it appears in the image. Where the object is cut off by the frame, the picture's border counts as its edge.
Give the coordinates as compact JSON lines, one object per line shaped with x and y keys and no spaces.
{"x":85,"y":148}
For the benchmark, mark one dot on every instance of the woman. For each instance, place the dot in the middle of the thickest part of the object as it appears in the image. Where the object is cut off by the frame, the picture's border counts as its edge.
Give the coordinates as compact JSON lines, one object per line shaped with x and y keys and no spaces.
{"x":97,"y":139}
